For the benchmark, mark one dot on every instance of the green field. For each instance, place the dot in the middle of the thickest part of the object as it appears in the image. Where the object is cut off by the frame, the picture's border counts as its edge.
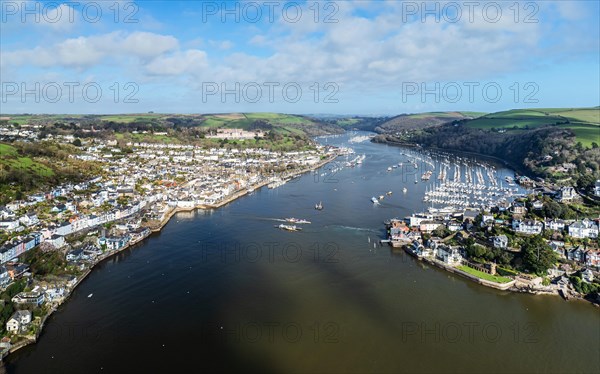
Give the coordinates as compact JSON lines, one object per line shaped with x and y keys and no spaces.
{"x":347,"y":122}
{"x":473,"y":114}
{"x":584,"y":122}
{"x":129,"y":117}
{"x":586,"y":134}
{"x":23,"y":119}
{"x":9,"y":158}
{"x":482,"y":275}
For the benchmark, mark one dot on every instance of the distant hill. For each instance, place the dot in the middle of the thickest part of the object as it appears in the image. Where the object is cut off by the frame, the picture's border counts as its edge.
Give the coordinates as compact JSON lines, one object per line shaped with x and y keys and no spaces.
{"x":583,"y":122}
{"x":555,"y":143}
{"x":283,"y":124}
{"x":423,"y":120}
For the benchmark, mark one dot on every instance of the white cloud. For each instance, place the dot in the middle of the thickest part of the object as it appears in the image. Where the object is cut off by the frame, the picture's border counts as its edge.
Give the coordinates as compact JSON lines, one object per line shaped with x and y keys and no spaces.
{"x":221,"y":44}
{"x":84,"y":52}
{"x":190,"y":61}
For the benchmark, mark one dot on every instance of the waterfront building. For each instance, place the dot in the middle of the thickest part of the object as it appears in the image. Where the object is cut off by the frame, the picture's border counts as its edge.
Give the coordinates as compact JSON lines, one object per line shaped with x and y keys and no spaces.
{"x":19,"y":321}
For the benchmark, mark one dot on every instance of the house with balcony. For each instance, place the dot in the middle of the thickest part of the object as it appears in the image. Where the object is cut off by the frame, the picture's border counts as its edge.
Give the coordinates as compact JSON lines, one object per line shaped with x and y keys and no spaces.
{"x":566,"y":194}
{"x":527,"y":227}
{"x":554,"y":224}
{"x":583,"y":229}
{"x":18,"y":322}
{"x":34,"y":297}
{"x":500,"y":241}
{"x":448,"y":255}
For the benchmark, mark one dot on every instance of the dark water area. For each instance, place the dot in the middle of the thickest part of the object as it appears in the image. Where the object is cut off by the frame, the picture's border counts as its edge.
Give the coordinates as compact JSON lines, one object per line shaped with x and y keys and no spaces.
{"x":225,"y":290}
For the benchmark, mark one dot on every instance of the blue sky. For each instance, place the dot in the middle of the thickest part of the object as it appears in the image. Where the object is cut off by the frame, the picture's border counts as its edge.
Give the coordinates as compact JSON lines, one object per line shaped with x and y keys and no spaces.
{"x":351,"y":57}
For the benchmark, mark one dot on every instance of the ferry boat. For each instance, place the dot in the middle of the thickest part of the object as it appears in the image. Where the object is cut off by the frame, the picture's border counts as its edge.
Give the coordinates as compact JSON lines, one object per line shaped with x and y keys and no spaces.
{"x":297,"y":220}
{"x":289,"y":227}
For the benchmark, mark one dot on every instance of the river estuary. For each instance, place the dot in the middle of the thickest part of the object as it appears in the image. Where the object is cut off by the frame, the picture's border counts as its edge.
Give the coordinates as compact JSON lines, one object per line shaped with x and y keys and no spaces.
{"x":224,"y":290}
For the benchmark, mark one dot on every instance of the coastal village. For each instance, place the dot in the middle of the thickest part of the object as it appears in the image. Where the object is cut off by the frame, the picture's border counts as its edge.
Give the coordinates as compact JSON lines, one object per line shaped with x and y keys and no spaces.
{"x":558,"y":256}
{"x":50,"y":240}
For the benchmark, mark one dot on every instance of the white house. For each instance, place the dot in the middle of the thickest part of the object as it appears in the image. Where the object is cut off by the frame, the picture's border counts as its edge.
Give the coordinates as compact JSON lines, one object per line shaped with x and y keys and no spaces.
{"x":554,"y":224}
{"x":19,"y":321}
{"x":583,"y":229}
{"x":500,"y":241}
{"x":529,"y":227}
{"x":29,"y":220}
{"x":566,"y":194}
{"x":36,"y":296}
{"x":9,"y":226}
{"x":537,"y":205}
{"x":58,"y":241}
{"x":429,"y":226}
{"x":454,"y":226}
{"x":448,"y":255}
{"x":486,"y":218}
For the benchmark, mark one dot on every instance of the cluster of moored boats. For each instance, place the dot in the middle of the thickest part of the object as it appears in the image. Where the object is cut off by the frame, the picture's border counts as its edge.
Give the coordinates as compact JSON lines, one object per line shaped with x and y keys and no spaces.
{"x":460,"y":181}
{"x":468,"y":194}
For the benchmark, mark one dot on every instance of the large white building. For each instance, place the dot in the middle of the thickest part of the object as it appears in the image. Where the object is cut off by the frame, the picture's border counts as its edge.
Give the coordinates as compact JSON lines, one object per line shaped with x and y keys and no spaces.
{"x":529,"y":227}
{"x":18,"y":321}
{"x":583,"y":229}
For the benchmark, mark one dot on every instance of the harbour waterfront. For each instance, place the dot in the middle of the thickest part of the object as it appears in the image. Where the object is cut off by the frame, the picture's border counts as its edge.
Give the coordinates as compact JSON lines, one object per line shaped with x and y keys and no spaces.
{"x":224,"y":290}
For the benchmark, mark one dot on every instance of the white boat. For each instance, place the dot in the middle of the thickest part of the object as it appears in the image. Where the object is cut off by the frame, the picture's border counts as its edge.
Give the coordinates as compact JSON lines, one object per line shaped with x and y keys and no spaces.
{"x":90,"y":295}
{"x":405,"y":190}
{"x":297,"y":220}
{"x":374,"y":200}
{"x":288,"y":227}
{"x":319,"y":206}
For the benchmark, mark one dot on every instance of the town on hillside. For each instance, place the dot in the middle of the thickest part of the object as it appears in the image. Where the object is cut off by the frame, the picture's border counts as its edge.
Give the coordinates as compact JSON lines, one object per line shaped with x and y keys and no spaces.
{"x":540,"y":243}
{"x":51,"y":238}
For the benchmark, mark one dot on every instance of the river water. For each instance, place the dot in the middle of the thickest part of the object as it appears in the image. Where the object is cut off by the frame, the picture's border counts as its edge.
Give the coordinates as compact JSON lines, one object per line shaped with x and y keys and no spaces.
{"x":225,"y":290}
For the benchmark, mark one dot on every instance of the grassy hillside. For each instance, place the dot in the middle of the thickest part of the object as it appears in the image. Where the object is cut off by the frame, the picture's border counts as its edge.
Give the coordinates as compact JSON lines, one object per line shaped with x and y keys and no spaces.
{"x":284,"y":124}
{"x":584,"y":122}
{"x":417,"y":121}
{"x":10,"y":159}
{"x":554,"y":143}
{"x":26,"y":167}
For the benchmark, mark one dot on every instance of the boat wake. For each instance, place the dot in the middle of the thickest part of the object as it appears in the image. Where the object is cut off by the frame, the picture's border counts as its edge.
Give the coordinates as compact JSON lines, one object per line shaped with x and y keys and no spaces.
{"x":353,"y":228}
